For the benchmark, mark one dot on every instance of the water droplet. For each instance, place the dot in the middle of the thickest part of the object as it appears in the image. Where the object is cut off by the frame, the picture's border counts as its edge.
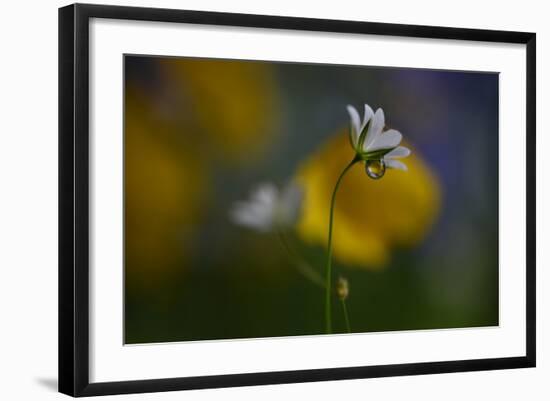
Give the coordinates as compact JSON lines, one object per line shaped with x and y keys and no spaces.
{"x":375,"y":168}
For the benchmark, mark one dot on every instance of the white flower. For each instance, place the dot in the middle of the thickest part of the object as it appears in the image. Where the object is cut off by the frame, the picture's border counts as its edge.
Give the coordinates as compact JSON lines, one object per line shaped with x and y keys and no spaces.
{"x":371,"y":142}
{"x":269,"y":208}
{"x":397,"y":153}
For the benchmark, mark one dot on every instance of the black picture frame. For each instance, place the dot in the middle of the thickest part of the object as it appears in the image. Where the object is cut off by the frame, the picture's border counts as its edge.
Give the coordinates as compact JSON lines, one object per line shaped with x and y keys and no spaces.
{"x":74,"y":198}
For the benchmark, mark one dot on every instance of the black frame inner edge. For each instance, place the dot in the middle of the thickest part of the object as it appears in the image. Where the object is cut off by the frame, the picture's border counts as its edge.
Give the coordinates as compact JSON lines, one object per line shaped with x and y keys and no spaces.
{"x":73,"y":194}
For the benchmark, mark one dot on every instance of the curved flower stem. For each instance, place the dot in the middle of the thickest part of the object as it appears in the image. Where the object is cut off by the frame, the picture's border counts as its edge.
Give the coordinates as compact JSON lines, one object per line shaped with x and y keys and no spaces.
{"x":328,"y":280}
{"x":346,"y":316}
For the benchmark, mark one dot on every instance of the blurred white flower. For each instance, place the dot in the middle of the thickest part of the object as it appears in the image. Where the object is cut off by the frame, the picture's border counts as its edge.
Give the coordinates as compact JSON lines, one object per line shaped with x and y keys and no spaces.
{"x":269,"y":208}
{"x":372,"y":143}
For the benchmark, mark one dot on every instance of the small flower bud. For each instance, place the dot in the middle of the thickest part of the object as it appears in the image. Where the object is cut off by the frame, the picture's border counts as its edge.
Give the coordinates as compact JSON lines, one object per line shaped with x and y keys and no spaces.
{"x":342,"y":288}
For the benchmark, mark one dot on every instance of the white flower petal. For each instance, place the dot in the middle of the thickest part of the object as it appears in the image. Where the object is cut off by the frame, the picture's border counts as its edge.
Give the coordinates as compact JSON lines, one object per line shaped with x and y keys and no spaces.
{"x":375,"y":129}
{"x":290,"y":204}
{"x":389,"y":139}
{"x":249,"y":215}
{"x":258,"y":212}
{"x":265,"y":193}
{"x":395,"y":164}
{"x":355,"y":124}
{"x":269,"y":208}
{"x":366,"y":117}
{"x":398,"y":152}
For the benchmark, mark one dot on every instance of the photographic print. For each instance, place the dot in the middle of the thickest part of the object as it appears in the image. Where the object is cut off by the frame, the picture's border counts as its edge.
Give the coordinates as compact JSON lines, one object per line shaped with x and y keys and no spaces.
{"x":269,"y":199}
{"x":256,"y":199}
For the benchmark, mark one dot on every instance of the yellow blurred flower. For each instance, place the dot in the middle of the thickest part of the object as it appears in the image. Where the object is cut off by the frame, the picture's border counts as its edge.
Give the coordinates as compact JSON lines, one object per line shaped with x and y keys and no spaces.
{"x":165,"y":189}
{"x":233,"y":103}
{"x":201,"y":111}
{"x":370,"y":217}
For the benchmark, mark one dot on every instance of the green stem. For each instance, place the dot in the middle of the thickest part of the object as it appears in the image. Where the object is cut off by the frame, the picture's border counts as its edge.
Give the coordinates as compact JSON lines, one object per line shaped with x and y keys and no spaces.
{"x":301,"y":265}
{"x":328,"y":286}
{"x":346,"y":317}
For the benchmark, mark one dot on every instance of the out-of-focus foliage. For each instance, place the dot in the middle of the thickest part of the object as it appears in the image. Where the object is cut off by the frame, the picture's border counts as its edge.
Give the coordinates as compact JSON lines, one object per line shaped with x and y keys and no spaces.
{"x":370,"y":216}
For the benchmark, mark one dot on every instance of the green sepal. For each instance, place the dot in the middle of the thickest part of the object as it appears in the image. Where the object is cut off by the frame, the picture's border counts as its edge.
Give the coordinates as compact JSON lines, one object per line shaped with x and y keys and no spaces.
{"x":375,"y":155}
{"x":363,"y":135}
